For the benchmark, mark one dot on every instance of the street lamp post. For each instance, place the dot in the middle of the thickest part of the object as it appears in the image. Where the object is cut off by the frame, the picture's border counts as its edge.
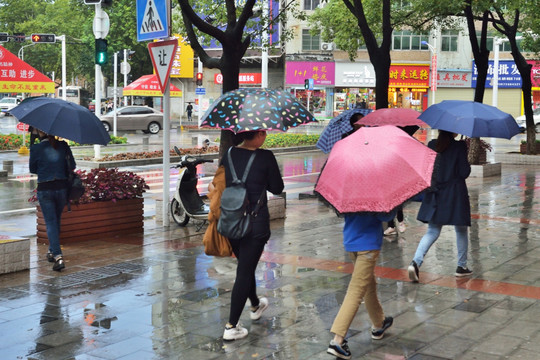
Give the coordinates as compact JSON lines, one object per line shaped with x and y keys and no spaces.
{"x":21,"y":51}
{"x":433,"y":51}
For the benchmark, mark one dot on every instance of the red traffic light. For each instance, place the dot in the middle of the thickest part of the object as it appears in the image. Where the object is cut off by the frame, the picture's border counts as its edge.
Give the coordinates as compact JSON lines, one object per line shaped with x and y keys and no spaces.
{"x":43,"y":38}
{"x":199,"y":78}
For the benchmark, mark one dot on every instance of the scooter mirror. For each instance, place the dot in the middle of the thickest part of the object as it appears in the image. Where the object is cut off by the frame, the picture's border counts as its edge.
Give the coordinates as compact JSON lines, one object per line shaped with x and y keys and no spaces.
{"x":176,"y":150}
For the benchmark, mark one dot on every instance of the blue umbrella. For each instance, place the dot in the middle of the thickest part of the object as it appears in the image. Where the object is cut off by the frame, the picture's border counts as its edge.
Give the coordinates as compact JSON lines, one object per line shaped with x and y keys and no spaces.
{"x":337,"y":127}
{"x":470,"y":118}
{"x":63,"y":119}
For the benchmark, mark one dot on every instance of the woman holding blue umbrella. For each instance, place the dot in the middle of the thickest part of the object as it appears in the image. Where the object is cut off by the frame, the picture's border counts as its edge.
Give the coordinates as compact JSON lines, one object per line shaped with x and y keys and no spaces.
{"x":446,"y":203}
{"x":51,"y":160}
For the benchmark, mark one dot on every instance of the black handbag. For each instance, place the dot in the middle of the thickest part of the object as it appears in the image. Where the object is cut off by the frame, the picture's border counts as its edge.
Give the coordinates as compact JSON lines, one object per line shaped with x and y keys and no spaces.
{"x":75,"y":185}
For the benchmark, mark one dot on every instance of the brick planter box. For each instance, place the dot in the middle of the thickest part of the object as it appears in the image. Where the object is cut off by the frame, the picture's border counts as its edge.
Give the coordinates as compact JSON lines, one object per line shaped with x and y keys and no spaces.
{"x":96,"y":220}
{"x":523,"y":148}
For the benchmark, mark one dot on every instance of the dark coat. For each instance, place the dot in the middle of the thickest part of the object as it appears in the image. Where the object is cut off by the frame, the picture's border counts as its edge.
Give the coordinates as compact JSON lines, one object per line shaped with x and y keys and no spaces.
{"x":449,"y":203}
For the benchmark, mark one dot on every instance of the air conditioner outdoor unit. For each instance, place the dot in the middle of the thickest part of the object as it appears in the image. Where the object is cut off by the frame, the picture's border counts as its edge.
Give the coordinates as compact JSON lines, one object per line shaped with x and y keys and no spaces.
{"x":327,"y":46}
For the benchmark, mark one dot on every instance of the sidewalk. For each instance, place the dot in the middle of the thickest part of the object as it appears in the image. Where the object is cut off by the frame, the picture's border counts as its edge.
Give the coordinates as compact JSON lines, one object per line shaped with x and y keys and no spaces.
{"x":157,"y":296}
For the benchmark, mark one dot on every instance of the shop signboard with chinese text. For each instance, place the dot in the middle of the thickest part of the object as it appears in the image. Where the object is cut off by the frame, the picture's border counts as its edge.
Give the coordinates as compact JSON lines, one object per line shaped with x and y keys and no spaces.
{"x":182,"y":66}
{"x":454,"y":78}
{"x":322,"y":72}
{"x":354,"y":75}
{"x":243,"y":79}
{"x":409,"y":75}
{"x":509,"y":76}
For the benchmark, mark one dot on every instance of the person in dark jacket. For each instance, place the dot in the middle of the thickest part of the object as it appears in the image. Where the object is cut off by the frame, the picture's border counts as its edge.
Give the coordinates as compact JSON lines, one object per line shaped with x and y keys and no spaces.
{"x":48,"y":161}
{"x":447,"y":203}
{"x":264,"y":175}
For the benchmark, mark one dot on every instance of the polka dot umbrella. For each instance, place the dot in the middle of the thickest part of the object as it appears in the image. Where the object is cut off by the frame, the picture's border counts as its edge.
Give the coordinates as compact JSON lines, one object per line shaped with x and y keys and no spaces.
{"x":256,"y":109}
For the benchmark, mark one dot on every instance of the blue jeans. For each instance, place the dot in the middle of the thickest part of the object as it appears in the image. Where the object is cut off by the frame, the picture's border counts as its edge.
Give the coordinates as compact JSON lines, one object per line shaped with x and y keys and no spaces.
{"x":52,"y":204}
{"x":432,"y":234}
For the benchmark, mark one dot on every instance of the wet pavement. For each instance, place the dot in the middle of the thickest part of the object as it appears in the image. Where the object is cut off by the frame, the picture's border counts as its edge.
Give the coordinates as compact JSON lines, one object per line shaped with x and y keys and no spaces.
{"x":156,"y":295}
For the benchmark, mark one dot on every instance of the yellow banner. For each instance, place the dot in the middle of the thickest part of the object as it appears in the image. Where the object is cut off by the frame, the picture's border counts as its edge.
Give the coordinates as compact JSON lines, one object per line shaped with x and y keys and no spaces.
{"x":182,"y":66}
{"x":149,"y":93}
{"x":27,"y":87}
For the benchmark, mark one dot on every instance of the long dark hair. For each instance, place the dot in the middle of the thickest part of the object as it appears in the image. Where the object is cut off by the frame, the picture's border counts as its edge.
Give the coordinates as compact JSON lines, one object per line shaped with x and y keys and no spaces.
{"x":244,"y":135}
{"x":443,"y":141}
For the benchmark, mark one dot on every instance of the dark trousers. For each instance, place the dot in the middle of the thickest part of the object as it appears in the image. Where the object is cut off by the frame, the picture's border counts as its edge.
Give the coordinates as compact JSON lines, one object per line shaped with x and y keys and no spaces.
{"x":248,"y":251}
{"x":399,"y":217}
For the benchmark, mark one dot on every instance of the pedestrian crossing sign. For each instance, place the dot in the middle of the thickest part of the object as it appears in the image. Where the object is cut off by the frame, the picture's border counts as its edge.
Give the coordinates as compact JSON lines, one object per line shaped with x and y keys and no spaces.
{"x":152,"y":19}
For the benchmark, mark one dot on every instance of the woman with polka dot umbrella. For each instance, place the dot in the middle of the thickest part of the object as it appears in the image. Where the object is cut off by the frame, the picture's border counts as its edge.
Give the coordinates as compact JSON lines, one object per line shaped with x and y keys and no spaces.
{"x":256,"y":109}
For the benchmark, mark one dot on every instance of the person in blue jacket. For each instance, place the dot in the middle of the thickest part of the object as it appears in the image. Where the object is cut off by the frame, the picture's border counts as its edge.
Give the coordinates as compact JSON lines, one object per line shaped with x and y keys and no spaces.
{"x":48,"y":161}
{"x":447,"y":202}
{"x":362,"y":239}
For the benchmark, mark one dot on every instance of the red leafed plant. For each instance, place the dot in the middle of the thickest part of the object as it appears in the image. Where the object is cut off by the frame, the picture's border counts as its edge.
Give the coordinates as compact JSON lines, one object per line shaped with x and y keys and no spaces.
{"x":109,"y":185}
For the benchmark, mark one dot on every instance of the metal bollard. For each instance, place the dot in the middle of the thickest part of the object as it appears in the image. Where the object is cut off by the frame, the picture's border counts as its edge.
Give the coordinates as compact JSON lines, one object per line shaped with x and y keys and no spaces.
{"x":8,"y":166}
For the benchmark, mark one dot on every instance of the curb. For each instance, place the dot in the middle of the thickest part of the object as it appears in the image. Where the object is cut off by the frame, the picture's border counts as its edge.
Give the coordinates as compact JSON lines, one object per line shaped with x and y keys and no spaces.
{"x":159,"y":160}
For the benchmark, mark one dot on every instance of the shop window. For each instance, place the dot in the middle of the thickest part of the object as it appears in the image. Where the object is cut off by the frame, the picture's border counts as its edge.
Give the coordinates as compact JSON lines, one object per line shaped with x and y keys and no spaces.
{"x":311,"y":4}
{"x":505,"y":47}
{"x":407,"y":40}
{"x":310,"y":42}
{"x":449,"y":39}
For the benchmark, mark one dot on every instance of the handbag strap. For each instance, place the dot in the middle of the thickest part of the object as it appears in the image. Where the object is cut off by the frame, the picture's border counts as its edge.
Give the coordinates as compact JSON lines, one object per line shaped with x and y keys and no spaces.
{"x":246,"y":171}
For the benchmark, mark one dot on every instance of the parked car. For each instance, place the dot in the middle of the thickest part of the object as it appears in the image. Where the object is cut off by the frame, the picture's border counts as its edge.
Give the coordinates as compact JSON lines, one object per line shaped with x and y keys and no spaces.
{"x":143,"y":118}
{"x":8,"y":103}
{"x":536,"y":116}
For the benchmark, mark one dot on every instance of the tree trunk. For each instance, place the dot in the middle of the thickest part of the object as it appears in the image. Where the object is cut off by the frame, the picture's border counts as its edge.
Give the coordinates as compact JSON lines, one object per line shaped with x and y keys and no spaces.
{"x":230,"y":69}
{"x":476,"y":153}
{"x":382,"y":74}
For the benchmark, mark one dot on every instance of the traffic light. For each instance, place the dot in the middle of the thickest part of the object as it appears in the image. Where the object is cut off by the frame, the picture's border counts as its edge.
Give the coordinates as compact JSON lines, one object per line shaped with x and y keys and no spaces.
{"x":3,"y":37}
{"x":43,"y":38}
{"x":306,"y":84}
{"x":199,"y":79}
{"x":19,"y":37}
{"x":101,"y":52}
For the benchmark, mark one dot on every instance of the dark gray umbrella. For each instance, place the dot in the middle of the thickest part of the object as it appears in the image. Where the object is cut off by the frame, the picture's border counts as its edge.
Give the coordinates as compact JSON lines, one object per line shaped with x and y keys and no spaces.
{"x":63,"y":119}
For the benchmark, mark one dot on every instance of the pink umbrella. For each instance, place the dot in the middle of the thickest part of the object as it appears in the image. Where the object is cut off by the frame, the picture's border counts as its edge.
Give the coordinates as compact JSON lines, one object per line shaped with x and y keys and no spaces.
{"x":374,"y":170}
{"x":392,"y":116}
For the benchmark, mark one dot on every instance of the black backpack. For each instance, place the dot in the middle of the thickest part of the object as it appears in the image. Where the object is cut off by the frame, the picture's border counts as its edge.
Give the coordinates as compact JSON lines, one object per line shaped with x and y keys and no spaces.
{"x":235,"y":219}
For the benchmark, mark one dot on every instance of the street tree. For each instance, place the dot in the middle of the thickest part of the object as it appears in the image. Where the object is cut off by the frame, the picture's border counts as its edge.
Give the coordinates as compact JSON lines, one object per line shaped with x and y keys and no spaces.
{"x":506,"y":17}
{"x":375,"y":21}
{"x":234,"y":27}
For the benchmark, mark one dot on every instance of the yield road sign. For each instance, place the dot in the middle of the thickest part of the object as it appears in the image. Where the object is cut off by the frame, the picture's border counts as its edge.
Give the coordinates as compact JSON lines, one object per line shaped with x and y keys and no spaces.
{"x":162,"y":54}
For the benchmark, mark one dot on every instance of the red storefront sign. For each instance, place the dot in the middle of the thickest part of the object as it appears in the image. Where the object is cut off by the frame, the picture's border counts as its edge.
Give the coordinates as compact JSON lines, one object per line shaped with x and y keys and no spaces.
{"x":243,"y":78}
{"x":407,"y":75}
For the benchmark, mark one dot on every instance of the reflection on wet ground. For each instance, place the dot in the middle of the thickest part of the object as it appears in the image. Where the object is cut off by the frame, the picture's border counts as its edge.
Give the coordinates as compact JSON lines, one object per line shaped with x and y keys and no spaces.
{"x":157,"y":296}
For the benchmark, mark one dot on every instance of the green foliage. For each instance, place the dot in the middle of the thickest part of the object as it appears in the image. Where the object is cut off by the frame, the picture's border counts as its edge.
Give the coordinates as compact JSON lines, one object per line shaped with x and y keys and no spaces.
{"x":74,"y":19}
{"x":288,"y":140}
{"x":14,"y":141}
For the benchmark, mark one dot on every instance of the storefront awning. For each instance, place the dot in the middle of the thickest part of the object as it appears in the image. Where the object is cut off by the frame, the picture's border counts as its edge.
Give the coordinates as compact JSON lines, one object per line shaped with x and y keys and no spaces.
{"x":16,"y":76}
{"x":148,"y":85}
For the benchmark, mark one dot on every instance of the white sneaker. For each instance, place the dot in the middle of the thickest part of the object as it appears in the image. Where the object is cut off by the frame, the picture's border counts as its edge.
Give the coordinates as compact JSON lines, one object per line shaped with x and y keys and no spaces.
{"x":402,"y":227}
{"x":263,"y":305}
{"x":389,"y":231}
{"x":235,"y":333}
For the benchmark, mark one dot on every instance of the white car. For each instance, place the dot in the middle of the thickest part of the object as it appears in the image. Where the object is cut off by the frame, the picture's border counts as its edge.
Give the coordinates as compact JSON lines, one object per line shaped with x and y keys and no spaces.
{"x":536,"y":116}
{"x":8,"y":103}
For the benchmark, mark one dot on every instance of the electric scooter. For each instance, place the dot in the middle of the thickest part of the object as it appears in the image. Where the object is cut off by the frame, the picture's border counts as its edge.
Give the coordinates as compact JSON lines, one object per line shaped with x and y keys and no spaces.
{"x":187,"y":202}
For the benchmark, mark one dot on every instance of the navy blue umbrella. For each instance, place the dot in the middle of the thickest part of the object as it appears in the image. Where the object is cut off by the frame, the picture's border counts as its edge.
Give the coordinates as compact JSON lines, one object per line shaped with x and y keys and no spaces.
{"x":337,"y":127}
{"x":63,"y":119}
{"x":470,"y":118}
